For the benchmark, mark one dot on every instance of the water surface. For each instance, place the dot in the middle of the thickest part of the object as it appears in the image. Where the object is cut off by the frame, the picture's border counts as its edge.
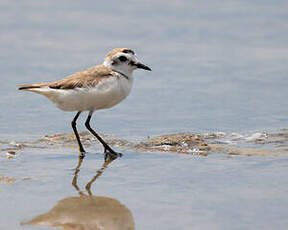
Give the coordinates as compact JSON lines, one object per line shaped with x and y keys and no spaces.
{"x":166,"y":191}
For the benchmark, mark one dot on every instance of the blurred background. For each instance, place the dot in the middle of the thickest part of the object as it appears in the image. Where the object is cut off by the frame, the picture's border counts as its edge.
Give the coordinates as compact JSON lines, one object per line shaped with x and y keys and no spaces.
{"x":218,"y":65}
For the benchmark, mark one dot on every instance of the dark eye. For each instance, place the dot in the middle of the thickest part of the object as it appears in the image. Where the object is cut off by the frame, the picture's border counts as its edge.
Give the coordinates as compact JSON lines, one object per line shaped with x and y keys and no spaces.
{"x":122,"y":58}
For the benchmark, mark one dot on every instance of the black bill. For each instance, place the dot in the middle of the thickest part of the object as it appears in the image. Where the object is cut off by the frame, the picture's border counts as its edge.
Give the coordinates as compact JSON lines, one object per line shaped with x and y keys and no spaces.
{"x":142,"y":66}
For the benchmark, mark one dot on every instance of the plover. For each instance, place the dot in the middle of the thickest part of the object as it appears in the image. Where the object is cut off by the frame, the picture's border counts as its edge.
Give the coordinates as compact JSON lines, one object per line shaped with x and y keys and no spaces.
{"x":98,"y":87}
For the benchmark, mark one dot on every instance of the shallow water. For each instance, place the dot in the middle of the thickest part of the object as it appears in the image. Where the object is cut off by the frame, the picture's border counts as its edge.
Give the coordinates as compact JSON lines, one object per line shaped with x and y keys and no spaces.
{"x":166,"y":191}
{"x":217,"y":66}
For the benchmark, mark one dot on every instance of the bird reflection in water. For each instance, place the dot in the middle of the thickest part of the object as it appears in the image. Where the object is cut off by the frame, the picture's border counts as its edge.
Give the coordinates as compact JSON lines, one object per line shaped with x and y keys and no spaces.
{"x":86,"y":211}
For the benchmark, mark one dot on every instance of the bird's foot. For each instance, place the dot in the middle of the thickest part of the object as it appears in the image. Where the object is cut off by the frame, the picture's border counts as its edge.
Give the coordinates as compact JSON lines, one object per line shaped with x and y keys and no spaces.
{"x":111,"y":154}
{"x":82,"y":154}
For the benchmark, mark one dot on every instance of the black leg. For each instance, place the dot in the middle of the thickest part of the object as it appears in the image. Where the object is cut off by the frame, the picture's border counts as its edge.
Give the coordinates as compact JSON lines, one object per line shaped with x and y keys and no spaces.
{"x":81,"y":149}
{"x":107,"y":148}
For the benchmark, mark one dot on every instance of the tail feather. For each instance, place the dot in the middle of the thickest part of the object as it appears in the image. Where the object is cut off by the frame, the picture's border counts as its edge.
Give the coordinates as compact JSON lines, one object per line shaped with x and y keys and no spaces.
{"x":32,"y":86}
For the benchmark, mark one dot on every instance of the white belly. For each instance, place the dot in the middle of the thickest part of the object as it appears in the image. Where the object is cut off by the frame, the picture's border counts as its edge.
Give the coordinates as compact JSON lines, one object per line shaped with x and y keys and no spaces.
{"x":105,"y":94}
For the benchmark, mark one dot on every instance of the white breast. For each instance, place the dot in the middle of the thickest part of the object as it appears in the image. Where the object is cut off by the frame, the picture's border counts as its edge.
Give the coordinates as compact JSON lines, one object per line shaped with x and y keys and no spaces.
{"x":105,"y":94}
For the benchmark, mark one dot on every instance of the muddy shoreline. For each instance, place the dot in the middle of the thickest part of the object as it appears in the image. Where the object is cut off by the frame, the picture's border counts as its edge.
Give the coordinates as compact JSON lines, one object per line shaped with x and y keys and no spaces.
{"x":260,"y":143}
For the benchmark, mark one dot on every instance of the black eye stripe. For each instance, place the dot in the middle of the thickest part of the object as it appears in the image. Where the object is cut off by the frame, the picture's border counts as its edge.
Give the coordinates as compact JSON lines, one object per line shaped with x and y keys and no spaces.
{"x":122,"y":58}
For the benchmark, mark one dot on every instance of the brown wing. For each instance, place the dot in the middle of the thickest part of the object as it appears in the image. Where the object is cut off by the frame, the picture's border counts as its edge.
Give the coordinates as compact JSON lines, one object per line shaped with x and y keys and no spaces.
{"x":88,"y":77}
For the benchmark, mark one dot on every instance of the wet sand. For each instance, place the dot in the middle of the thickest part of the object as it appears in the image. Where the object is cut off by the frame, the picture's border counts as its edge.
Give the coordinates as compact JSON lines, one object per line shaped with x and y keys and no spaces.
{"x":260,"y":143}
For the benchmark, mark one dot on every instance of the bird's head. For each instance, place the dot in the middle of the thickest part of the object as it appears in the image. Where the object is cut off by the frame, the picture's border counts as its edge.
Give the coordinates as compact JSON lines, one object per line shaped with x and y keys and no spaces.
{"x":123,"y":60}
